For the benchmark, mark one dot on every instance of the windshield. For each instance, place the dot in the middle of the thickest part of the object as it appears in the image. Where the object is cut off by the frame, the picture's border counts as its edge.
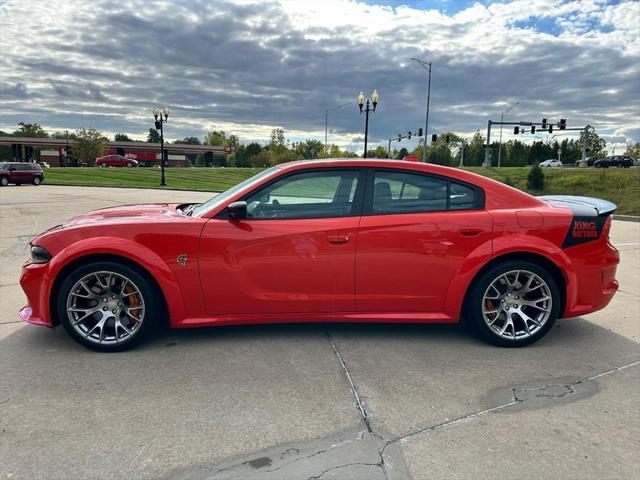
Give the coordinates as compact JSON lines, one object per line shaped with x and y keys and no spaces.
{"x":212,"y":203}
{"x":4,"y":166}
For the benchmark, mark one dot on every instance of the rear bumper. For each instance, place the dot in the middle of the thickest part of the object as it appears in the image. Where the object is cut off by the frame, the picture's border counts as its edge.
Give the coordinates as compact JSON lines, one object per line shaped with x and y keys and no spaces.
{"x":595,"y":283}
{"x":35,"y":283}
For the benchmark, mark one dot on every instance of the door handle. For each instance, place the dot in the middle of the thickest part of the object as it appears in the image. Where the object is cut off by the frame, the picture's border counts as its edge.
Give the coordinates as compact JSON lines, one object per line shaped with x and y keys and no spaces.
{"x":338,"y":239}
{"x":469,"y":231}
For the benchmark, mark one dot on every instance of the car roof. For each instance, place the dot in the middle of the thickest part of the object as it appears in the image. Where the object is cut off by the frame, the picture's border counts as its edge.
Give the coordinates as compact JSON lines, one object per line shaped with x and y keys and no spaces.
{"x":498,"y":194}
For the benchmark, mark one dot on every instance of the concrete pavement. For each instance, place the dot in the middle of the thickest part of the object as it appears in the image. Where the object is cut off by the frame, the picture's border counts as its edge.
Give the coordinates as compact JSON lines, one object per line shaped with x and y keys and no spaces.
{"x":312,"y":401}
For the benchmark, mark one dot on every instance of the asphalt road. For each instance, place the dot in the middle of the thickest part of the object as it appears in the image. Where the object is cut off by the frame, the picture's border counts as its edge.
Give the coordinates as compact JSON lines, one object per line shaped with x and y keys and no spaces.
{"x":312,"y":401}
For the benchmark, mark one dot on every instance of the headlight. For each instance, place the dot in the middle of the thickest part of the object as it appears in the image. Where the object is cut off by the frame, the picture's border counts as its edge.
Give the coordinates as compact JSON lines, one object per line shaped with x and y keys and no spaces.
{"x":39,"y":254}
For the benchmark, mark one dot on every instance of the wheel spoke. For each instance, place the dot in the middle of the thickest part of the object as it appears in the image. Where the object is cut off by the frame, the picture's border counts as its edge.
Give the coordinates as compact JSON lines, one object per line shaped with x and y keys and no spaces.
{"x":83,"y":303}
{"x":507,"y":295}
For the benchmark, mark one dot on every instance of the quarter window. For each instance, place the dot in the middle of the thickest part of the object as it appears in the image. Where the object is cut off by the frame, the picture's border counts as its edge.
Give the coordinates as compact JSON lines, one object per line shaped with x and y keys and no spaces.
{"x":318,"y":194}
{"x":404,"y":192}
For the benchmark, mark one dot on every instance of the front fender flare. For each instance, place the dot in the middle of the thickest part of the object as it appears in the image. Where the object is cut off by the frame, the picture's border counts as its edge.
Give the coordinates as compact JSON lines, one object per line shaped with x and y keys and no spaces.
{"x":124,"y":248}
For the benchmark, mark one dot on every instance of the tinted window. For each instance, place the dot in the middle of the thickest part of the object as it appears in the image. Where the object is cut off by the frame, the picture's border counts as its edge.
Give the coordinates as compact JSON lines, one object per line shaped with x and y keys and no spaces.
{"x":461,"y":197}
{"x":400,"y":192}
{"x":306,"y":195}
{"x":403,"y":192}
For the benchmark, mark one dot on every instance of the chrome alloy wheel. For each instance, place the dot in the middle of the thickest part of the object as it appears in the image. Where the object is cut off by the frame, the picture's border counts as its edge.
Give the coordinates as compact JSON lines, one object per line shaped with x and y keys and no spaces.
{"x":517,"y":304}
{"x":105,"y":308}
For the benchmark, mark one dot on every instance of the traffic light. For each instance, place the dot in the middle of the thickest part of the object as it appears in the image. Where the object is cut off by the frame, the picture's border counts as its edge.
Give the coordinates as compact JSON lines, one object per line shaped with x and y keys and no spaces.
{"x":516,"y":130}
{"x":550,"y":128}
{"x":434,"y":138}
{"x":533,"y":129}
{"x":544,"y":123}
{"x":563,"y":123}
{"x":409,"y":135}
{"x":419,"y":132}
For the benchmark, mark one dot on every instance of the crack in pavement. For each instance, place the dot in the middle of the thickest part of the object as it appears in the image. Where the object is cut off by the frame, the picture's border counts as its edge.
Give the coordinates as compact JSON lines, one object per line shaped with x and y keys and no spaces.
{"x":354,"y":389}
{"x":351,"y":451}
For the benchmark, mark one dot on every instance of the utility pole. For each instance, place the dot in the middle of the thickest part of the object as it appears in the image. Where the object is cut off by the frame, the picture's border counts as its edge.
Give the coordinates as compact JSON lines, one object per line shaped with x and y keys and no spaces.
{"x":427,"y":67}
{"x":501,"y":121}
{"x":487,"y":153}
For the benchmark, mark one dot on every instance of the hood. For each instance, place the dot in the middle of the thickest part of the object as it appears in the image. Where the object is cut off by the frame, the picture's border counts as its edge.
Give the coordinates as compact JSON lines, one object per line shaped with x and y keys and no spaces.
{"x":126,"y":214}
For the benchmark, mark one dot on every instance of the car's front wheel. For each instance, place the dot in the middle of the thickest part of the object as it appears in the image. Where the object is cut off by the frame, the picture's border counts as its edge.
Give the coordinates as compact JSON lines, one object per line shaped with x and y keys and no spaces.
{"x":4,"y":181}
{"x":103,"y":164}
{"x":37,"y":181}
{"x":108,"y":306}
{"x":513,"y":303}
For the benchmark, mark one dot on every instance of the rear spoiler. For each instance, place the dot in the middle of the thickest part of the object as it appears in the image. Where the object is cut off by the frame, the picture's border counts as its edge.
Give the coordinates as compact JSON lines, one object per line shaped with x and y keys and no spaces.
{"x":582,"y":206}
{"x":589,"y":217}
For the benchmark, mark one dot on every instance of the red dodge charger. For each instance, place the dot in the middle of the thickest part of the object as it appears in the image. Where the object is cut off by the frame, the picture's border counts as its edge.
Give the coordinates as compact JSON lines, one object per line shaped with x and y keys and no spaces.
{"x":330,"y":240}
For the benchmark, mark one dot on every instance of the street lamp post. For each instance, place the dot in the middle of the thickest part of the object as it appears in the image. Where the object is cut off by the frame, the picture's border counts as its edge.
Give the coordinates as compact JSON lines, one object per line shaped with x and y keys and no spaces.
{"x":427,"y":67}
{"x":161,"y":116}
{"x":326,"y":122}
{"x":375,"y":98}
{"x":500,"y":140}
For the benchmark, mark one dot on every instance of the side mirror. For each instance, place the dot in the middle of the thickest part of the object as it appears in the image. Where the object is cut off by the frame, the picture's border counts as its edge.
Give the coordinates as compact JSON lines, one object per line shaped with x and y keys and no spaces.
{"x":237,"y":210}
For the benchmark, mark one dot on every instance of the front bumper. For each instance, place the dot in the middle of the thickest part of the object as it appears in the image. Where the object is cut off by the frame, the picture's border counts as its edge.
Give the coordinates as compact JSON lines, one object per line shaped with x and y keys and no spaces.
{"x":35,"y":282}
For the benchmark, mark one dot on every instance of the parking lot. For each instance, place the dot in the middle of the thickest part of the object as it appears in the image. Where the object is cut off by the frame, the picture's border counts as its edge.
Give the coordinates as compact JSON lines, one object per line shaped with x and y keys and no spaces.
{"x":312,"y":401}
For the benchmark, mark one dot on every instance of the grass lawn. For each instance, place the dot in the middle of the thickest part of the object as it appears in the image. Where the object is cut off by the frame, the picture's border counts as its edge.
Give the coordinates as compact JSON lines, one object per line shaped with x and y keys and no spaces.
{"x":621,"y":186}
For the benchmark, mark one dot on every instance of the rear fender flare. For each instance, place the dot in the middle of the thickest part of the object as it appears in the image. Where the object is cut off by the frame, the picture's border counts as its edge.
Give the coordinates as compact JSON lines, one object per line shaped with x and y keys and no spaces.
{"x":502,"y":246}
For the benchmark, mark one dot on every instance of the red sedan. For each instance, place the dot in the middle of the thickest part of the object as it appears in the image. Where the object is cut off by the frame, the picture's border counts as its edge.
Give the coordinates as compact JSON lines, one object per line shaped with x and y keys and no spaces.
{"x":115,"y":161}
{"x":331,"y":240}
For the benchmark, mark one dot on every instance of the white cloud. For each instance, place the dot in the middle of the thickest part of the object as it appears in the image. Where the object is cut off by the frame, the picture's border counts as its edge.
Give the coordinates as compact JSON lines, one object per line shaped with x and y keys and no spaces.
{"x":249,"y":66}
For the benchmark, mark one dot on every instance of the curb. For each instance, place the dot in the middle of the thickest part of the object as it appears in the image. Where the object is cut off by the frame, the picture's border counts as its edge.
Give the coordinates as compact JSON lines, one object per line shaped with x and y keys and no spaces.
{"x":627,"y":218}
{"x":128,"y":188}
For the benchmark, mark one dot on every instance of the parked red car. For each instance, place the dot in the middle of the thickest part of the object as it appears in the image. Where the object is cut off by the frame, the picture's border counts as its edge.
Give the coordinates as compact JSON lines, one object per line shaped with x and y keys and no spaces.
{"x":20,"y":172}
{"x":115,"y":161}
{"x":329,"y":240}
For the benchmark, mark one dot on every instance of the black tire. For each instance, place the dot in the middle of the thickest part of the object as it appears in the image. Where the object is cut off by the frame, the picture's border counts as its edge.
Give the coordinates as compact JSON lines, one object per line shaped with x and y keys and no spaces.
{"x":129,"y":164}
{"x":475,"y":296}
{"x":103,"y":165}
{"x":37,"y":180}
{"x":152,"y":299}
{"x":4,"y":181}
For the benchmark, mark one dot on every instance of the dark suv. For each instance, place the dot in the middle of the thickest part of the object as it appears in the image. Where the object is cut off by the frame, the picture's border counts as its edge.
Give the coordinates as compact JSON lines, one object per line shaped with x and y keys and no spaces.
{"x":17,"y":172}
{"x":616,"y":161}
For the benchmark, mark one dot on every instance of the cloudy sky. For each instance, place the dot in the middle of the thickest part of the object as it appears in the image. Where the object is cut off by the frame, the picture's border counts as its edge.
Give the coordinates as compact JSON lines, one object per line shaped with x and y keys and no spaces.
{"x":249,"y":66}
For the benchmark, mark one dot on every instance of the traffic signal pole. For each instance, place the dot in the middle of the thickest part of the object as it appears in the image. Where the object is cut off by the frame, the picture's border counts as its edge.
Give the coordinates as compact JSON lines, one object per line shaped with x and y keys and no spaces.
{"x":562,"y":125}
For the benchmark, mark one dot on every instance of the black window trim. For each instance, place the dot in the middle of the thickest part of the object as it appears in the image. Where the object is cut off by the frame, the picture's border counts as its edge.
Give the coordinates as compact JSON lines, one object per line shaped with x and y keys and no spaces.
{"x":367,"y":208}
{"x":356,"y":206}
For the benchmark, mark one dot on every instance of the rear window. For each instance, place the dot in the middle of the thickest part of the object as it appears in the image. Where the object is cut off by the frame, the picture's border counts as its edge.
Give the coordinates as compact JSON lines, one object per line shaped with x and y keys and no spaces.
{"x":407,"y":192}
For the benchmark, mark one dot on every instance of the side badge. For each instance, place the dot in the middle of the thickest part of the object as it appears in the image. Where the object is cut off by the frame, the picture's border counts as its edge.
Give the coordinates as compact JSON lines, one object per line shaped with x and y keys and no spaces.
{"x":182,"y":259}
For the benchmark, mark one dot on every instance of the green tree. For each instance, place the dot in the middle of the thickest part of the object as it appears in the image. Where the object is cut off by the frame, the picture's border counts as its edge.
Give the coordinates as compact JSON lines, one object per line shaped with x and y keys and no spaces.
{"x":122,"y":137}
{"x":633,"y":151}
{"x":535,"y":178}
{"x":403,"y":152}
{"x":154,"y":136}
{"x":378,"y":152}
{"x":474,"y":152}
{"x":32,"y":130}
{"x":309,"y":149}
{"x":596,"y":145}
{"x":88,"y":145}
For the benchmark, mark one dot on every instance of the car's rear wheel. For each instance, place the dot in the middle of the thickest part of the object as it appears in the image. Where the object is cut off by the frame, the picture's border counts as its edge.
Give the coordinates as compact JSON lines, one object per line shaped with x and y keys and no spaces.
{"x":108,"y":306}
{"x":4,"y":181}
{"x":37,"y":181}
{"x":513,"y":304}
